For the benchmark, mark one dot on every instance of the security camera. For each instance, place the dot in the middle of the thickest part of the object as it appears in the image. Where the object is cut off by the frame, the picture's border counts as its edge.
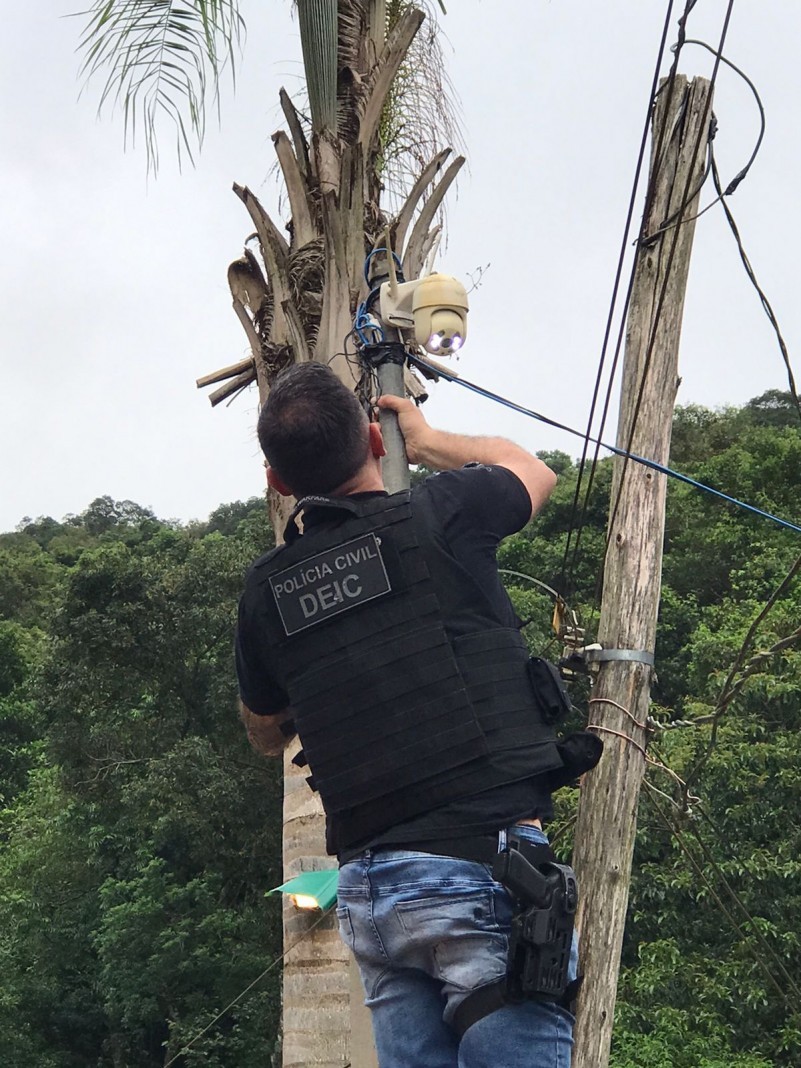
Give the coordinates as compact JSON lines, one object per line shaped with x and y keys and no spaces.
{"x":434,"y":307}
{"x":440,"y":314}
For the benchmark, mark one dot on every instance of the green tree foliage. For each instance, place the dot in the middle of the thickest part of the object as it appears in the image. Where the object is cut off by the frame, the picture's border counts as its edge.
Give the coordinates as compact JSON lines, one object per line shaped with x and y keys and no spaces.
{"x":20,"y":718}
{"x":140,"y":834}
{"x":712,"y":957}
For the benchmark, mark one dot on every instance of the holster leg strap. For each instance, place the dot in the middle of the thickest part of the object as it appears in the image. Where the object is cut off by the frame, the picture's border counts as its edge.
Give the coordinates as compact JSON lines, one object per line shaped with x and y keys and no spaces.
{"x":492,"y":997}
{"x":479,"y":1004}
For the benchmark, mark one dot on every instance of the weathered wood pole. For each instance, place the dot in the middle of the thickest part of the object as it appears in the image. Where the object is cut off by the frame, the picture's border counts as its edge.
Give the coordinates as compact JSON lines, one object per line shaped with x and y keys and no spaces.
{"x":620,"y":697}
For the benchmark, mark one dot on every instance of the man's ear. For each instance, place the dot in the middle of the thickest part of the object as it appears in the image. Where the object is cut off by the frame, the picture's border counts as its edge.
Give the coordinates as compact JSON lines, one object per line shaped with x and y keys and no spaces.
{"x":277,"y":483}
{"x":377,"y":447}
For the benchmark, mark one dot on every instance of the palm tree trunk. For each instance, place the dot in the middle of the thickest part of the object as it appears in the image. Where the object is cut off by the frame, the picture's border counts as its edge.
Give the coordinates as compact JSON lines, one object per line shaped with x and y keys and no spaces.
{"x":299,"y":304}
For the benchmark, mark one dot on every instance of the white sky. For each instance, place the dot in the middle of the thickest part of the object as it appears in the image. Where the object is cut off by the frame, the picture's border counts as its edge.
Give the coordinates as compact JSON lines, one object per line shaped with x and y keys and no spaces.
{"x":113,"y":293}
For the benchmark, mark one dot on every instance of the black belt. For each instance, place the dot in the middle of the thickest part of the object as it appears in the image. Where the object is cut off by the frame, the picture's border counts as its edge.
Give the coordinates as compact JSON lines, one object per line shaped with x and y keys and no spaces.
{"x":483,"y":849}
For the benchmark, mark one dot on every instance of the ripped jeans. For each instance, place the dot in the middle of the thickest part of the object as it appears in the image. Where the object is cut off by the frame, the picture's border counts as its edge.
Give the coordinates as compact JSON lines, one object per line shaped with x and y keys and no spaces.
{"x":426,"y":930}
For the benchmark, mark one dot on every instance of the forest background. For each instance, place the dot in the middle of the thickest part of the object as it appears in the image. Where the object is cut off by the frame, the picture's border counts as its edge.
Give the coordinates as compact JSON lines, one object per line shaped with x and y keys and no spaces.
{"x":140,"y":836}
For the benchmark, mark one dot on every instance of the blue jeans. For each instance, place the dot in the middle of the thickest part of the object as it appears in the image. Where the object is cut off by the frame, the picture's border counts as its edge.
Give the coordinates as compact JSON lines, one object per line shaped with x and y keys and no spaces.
{"x":426,"y":930}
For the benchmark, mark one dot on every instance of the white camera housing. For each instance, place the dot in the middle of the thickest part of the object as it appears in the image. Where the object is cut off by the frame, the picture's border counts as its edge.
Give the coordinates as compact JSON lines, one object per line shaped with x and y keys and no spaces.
{"x":434,"y":307}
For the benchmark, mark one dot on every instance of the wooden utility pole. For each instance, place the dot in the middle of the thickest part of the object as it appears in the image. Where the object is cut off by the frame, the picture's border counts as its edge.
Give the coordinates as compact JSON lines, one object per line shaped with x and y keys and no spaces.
{"x":627,"y":631}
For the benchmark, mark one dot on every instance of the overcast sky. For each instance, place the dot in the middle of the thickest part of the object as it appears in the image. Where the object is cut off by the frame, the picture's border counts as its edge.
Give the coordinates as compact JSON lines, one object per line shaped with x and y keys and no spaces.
{"x":113,"y":288}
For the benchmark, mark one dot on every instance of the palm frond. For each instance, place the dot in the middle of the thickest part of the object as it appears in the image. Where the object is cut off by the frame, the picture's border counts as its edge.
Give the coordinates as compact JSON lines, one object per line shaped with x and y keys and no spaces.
{"x":162,"y":60}
{"x":318,"y":37}
{"x":421,"y":113}
{"x":354,"y":59}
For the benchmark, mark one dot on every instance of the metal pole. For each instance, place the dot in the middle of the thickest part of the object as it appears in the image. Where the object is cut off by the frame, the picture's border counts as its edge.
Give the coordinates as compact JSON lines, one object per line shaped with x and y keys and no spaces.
{"x":388,"y":360}
{"x":395,"y":465}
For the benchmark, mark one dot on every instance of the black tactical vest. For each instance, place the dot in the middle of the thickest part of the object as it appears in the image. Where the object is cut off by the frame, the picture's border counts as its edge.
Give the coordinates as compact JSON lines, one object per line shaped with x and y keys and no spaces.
{"x":396,"y":713}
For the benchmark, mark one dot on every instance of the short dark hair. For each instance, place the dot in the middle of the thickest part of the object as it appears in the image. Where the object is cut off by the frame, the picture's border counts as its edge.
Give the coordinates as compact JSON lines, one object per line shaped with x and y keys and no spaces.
{"x":312,"y":429}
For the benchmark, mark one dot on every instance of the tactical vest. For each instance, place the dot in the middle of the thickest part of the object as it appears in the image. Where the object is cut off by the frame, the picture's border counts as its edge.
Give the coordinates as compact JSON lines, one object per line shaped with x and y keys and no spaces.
{"x":397,"y":714}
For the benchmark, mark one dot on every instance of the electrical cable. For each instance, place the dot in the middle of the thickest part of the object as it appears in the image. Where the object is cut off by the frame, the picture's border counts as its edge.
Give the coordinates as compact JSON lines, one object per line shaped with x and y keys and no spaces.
{"x":677,"y":217}
{"x":728,"y":691}
{"x":364,"y":319}
{"x":248,"y":988}
{"x":763,"y":298}
{"x":610,"y":317}
{"x":732,"y":186}
{"x":730,"y":688}
{"x":788,"y":979}
{"x":736,"y":898}
{"x":644,"y":461}
{"x":668,"y":86}
{"x":660,"y":765}
{"x":675,"y":833}
{"x":743,"y":172}
{"x":710,"y":860}
{"x":703,"y":129}
{"x":520,"y":574}
{"x":375,"y":252}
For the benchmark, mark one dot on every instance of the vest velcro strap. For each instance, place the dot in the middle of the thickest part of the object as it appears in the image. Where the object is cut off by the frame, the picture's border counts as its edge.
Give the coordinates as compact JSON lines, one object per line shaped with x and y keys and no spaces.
{"x":497,"y":640}
{"x":358,"y":687}
{"x":385,"y":726}
{"x":452,"y":749}
{"x":393,"y":614}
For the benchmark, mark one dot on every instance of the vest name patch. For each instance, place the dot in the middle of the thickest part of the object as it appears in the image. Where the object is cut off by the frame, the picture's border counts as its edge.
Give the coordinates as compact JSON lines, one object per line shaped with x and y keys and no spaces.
{"x":329,"y":583}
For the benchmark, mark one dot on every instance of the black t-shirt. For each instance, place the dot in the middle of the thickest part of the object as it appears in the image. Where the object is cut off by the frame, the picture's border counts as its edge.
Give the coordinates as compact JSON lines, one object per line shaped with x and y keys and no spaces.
{"x":479,"y":505}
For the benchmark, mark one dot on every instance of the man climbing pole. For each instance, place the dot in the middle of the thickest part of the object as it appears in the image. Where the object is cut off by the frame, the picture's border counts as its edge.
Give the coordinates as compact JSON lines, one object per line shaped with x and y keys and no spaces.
{"x":383,"y":637}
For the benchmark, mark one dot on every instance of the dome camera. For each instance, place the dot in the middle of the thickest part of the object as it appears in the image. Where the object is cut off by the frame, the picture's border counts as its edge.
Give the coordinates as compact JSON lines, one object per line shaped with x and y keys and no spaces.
{"x":439,"y":309}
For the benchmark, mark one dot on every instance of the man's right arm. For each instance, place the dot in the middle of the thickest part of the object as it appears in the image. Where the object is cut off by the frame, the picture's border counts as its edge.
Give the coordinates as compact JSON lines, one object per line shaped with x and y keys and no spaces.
{"x":269,"y":735}
{"x":443,"y":451}
{"x":270,"y":727}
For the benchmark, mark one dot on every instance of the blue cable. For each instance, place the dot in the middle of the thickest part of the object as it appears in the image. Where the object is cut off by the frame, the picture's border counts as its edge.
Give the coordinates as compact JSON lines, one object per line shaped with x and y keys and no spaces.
{"x":364,"y":321}
{"x":375,"y":253}
{"x":612,"y":448}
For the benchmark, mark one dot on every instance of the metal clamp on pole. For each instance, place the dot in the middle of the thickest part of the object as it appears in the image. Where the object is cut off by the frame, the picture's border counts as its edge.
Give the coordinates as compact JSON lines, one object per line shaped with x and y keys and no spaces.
{"x":600,"y":656}
{"x":588,"y":659}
